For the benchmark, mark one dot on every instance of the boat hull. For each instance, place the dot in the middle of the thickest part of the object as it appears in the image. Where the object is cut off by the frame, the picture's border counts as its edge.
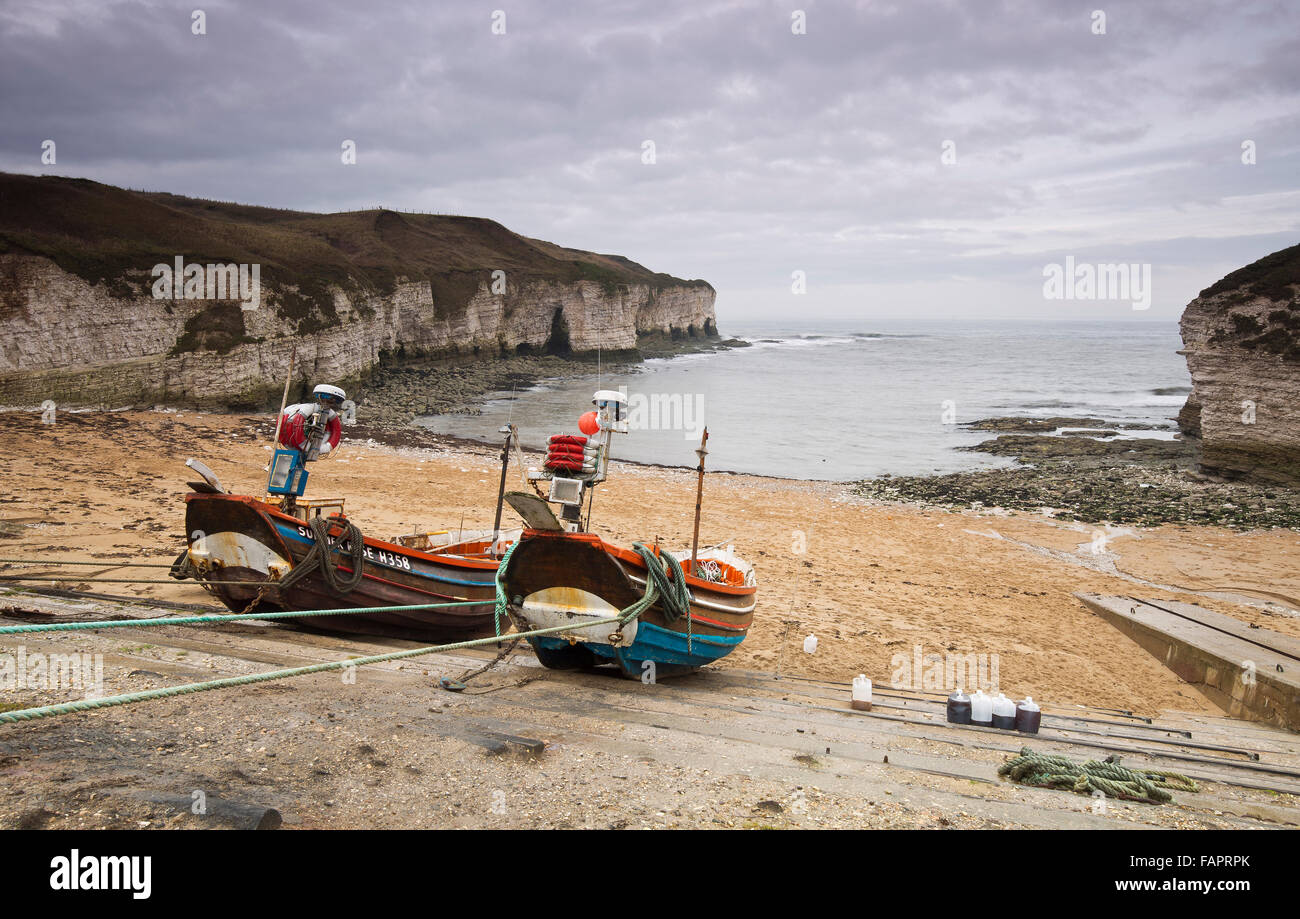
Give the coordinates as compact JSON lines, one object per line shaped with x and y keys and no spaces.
{"x":244,"y":539}
{"x":554,"y":579}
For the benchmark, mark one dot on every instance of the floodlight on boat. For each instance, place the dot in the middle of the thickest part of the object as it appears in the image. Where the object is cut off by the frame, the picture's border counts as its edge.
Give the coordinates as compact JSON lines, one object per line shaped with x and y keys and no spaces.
{"x":566,"y":491}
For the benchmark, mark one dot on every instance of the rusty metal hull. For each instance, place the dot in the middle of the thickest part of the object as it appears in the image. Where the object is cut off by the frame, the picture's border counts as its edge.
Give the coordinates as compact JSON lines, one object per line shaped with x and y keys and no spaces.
{"x":242,"y":538}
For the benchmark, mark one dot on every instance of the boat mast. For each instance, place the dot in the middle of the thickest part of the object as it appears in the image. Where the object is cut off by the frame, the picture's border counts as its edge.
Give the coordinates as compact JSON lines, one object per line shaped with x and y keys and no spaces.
{"x":509,"y":431}
{"x":284,"y":399}
{"x":699,"y":499}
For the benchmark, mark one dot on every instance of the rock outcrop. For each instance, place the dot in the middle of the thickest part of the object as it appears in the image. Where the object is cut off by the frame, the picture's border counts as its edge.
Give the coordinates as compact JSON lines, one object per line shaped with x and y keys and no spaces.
{"x":81,"y":321}
{"x":1241,"y":338}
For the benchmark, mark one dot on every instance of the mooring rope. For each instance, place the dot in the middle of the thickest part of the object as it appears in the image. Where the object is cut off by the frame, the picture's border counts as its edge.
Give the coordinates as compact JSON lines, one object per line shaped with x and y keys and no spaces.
{"x":626,"y":615}
{"x":222,"y":617}
{"x":49,"y":563}
{"x":1106,"y":776}
{"x":82,"y":705}
{"x":319,"y":556}
{"x":675,"y":595}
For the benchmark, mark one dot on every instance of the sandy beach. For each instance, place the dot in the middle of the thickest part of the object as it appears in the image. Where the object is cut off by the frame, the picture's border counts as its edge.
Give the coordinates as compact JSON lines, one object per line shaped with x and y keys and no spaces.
{"x":874,"y":581}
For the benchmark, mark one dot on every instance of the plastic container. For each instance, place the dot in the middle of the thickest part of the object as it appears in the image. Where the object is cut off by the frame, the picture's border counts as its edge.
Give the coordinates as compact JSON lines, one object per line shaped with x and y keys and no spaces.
{"x":1028,"y":716}
{"x":861,"y":693}
{"x":1004,"y":713}
{"x":958,"y":707}
{"x":981,"y":709}
{"x":810,"y":645}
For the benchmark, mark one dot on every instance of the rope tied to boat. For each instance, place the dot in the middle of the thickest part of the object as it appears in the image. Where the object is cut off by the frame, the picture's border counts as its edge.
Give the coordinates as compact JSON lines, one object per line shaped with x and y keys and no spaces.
{"x":674,"y":603}
{"x":323,"y":548}
{"x":501,"y":608}
{"x":1106,"y":776}
{"x":674,"y":597}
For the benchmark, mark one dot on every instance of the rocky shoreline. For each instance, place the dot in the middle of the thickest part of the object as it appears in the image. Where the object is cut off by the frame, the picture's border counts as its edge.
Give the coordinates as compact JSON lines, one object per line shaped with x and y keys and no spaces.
{"x":395,"y":393}
{"x":1094,"y":478}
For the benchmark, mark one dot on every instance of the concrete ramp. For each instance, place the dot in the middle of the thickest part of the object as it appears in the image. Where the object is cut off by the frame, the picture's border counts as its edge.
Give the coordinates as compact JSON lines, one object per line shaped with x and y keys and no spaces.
{"x":1250,"y":673}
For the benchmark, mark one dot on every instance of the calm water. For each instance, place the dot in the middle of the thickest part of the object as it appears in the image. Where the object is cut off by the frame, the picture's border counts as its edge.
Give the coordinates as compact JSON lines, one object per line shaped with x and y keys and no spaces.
{"x":853,"y":400}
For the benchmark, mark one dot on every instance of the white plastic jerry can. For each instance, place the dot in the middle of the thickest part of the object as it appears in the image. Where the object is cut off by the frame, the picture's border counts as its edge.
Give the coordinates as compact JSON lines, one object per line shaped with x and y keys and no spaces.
{"x":861,"y":693}
{"x":1004,"y":713}
{"x":810,"y":645}
{"x":981,"y":708}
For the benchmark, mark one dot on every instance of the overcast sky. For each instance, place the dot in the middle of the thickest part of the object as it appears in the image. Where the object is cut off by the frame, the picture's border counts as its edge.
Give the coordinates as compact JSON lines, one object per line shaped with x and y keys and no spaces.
{"x":775,"y":152}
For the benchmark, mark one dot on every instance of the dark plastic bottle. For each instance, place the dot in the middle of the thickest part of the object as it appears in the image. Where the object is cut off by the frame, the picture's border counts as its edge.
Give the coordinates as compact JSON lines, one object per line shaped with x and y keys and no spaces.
{"x":958,"y":707}
{"x":1028,"y":716}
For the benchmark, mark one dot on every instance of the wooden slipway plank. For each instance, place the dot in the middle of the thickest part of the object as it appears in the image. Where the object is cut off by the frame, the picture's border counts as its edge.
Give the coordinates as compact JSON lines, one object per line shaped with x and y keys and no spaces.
{"x":1230,"y":649}
{"x":1246,"y":676}
{"x":1275,"y":641}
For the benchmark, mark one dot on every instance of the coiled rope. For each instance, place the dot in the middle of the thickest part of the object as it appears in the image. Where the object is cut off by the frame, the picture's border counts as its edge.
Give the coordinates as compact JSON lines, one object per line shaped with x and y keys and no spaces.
{"x":1106,"y":776}
{"x":674,"y":596}
{"x":323,"y":548}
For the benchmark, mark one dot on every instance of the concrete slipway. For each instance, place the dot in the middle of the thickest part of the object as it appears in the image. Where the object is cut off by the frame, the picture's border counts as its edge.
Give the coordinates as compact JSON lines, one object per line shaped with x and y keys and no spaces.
{"x":524,"y":746}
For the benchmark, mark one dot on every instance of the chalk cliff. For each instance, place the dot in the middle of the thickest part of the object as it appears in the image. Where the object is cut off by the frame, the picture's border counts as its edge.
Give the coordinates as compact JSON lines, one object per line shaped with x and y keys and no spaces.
{"x":1241,"y":338}
{"x":81,"y":322}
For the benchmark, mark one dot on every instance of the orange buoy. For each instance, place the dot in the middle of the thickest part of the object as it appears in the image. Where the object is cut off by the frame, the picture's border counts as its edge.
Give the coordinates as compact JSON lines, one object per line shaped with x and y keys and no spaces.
{"x":588,"y":424}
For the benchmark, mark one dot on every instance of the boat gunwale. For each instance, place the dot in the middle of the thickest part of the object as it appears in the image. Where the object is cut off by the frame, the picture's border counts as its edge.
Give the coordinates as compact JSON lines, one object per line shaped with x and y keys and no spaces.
{"x":632,"y":558}
{"x":264,"y":507}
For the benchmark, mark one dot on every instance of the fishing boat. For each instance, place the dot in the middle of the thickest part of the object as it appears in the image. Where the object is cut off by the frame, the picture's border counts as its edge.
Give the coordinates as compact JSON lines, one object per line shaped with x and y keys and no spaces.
{"x":286,"y":553}
{"x":256,"y":556}
{"x":560,"y":574}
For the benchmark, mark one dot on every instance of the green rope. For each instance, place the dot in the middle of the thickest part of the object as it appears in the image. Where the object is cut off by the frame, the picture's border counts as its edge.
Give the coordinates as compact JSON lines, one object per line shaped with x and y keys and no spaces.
{"x":46,"y":563}
{"x":93,"y":580}
{"x":221,"y":617}
{"x":625,"y":616}
{"x":676,"y":598}
{"x":1107,"y":776}
{"x":501,"y":608}
{"x":64,"y":708}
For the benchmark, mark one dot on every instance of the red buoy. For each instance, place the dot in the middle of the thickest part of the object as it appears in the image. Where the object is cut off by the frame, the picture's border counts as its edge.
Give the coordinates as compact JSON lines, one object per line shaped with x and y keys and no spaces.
{"x":588,"y":424}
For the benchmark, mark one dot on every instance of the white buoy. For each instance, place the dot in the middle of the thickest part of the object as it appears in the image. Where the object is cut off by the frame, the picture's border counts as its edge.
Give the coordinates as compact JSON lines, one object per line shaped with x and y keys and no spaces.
{"x":861,"y":693}
{"x":810,"y":645}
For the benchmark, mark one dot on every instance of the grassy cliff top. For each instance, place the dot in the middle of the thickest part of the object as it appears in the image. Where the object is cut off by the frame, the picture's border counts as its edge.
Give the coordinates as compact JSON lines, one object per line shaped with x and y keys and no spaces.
{"x":107,"y":234}
{"x":1271,"y":277}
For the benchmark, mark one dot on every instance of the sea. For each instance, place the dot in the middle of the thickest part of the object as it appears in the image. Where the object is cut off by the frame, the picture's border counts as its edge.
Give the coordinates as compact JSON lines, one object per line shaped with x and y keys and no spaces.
{"x":844,"y":401}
